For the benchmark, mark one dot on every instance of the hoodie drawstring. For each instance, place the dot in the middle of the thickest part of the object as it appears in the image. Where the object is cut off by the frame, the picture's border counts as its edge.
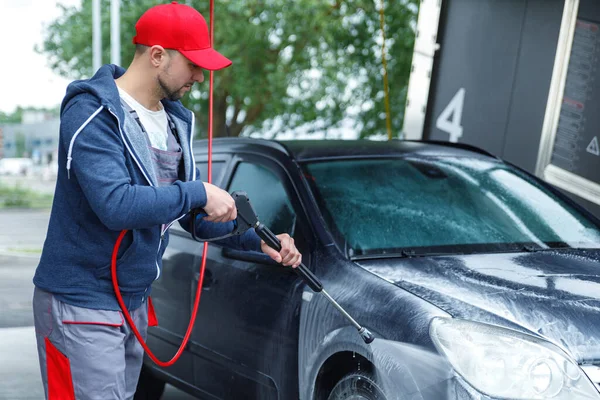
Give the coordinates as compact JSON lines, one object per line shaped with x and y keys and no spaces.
{"x":70,"y":153}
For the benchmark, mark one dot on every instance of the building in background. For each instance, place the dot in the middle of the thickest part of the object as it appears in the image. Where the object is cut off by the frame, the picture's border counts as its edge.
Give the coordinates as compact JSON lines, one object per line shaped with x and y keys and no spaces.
{"x":37,"y":140}
{"x":518,"y":78}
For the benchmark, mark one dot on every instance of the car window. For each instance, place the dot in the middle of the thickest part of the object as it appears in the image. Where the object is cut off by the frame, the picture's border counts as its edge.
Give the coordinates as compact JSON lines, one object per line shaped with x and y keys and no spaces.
{"x":267,"y":195}
{"x":217,"y":170}
{"x":444,"y":204}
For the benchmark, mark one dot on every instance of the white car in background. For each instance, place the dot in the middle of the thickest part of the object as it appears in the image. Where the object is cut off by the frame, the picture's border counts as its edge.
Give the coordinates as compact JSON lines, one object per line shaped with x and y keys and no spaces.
{"x":16,"y":166}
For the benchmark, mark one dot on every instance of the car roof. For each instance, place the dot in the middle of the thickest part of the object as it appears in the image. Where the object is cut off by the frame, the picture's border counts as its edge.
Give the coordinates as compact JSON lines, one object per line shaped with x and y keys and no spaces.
{"x":314,"y":150}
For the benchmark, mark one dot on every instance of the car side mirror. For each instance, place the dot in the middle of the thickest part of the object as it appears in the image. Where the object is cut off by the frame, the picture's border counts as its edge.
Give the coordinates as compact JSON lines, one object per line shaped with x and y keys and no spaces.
{"x":250,"y":256}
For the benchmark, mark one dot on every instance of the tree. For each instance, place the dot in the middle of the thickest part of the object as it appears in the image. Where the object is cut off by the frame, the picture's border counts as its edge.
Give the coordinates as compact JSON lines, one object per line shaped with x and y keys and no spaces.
{"x":12,"y":118}
{"x":17,"y":116}
{"x":295,"y":63}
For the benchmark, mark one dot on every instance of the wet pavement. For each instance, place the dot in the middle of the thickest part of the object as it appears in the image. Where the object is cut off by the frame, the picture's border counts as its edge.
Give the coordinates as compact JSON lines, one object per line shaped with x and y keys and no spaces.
{"x":21,"y":239}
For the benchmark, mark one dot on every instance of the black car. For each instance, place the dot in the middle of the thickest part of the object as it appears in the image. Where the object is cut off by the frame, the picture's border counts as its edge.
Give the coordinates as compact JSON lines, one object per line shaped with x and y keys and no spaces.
{"x":479,"y":280}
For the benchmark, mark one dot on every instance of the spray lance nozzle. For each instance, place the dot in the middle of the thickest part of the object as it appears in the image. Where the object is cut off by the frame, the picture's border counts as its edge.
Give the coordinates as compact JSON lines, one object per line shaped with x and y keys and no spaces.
{"x":246,"y":219}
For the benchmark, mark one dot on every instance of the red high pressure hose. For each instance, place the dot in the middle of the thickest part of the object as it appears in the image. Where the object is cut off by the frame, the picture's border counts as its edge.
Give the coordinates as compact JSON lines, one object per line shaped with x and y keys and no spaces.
{"x":204,"y":252}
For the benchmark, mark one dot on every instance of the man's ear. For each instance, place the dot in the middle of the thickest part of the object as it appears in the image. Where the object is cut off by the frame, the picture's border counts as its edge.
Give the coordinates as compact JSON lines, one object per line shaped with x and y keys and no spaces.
{"x":158,"y":55}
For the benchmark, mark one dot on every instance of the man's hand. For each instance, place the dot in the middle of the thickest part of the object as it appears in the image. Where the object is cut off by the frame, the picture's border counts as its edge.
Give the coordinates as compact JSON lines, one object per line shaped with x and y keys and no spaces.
{"x":220,"y":206}
{"x":289,"y":254}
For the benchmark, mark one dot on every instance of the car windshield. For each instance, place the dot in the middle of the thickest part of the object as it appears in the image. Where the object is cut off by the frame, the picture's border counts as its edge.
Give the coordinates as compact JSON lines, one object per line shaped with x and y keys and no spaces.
{"x":442,"y":205}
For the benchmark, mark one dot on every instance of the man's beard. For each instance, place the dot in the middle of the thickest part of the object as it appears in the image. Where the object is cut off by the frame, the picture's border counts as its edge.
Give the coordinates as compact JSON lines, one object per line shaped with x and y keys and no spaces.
{"x":169,"y":93}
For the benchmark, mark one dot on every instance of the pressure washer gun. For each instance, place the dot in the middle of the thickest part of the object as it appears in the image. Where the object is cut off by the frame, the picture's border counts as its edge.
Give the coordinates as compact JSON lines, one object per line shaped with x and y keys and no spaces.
{"x":246,"y":219}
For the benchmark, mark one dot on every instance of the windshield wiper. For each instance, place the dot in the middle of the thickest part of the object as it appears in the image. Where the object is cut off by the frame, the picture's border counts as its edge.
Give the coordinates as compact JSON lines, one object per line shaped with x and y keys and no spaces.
{"x":532,"y":249}
{"x":407,"y":253}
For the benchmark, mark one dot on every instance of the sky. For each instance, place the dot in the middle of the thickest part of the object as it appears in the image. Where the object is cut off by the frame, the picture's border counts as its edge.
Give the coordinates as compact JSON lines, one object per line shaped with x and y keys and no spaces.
{"x":26,"y":80}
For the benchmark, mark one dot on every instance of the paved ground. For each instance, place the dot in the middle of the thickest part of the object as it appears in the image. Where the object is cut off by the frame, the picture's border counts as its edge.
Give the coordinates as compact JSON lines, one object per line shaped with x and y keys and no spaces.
{"x":21,"y":239}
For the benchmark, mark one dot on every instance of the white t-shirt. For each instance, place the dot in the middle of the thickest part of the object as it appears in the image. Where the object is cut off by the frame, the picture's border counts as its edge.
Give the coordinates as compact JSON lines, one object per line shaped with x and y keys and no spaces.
{"x":155,"y":122}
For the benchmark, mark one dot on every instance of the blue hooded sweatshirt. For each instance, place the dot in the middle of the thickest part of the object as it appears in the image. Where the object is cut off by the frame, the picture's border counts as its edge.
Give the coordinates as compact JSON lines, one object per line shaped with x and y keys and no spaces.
{"x":106,"y":183}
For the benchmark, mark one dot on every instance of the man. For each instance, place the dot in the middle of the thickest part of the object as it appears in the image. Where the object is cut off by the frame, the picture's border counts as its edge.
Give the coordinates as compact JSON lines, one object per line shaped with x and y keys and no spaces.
{"x":125,"y":163}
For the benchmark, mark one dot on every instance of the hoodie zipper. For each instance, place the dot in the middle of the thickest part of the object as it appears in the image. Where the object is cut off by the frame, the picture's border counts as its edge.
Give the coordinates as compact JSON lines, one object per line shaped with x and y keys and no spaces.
{"x":192,"y":148}
{"x":147,"y":179}
{"x":191,"y":141}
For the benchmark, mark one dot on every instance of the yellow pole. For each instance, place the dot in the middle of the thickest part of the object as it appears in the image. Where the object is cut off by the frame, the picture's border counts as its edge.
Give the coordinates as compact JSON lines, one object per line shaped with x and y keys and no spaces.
{"x":388,"y":118}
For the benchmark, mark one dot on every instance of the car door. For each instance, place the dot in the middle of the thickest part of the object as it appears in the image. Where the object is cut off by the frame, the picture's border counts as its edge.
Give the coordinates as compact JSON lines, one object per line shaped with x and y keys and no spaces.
{"x":245,"y":341}
{"x":173,"y":293}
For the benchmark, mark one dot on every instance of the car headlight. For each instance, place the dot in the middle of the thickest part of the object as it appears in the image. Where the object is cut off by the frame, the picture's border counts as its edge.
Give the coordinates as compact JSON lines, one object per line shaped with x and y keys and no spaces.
{"x":503,"y":363}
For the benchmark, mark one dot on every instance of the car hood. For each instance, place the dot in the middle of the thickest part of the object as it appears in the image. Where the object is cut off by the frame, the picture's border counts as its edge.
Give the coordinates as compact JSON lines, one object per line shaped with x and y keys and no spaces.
{"x":553,"y":294}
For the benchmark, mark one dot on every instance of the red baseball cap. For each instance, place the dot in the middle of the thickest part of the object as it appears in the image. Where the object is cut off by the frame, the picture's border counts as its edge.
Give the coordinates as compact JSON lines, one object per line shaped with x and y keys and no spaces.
{"x":179,"y":27}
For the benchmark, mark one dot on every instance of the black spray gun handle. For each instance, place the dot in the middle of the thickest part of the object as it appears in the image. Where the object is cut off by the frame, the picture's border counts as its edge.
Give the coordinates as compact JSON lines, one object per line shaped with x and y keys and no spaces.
{"x":272,"y":241}
{"x":248,"y":218}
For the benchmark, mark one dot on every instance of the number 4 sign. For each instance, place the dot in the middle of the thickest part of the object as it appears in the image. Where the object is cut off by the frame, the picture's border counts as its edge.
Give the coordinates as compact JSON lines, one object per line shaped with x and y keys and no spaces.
{"x":449,"y":120}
